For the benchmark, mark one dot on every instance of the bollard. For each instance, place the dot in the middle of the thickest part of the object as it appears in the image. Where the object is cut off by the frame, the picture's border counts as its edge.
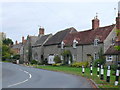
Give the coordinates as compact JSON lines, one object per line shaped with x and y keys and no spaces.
{"x":117,"y":76}
{"x":108,"y":74}
{"x":98,"y":69}
{"x":83,"y":69}
{"x":91,"y":68}
{"x":102,"y":72}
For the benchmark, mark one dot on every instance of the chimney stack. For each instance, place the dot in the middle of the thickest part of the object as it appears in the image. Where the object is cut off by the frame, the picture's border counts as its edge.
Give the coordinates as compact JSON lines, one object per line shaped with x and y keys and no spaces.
{"x":118,"y":26}
{"x":23,"y":39}
{"x":41,"y":31}
{"x":16,"y":42}
{"x":118,"y":21}
{"x":95,"y":23}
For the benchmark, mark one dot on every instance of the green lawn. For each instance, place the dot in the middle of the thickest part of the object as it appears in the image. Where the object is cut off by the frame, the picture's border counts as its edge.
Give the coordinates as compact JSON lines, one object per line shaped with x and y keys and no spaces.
{"x":78,"y":71}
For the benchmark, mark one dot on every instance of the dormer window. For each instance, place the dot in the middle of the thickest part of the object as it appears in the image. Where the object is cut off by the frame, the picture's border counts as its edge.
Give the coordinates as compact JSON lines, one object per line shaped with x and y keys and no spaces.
{"x":62,"y":45}
{"x":96,"y":42}
{"x":74,"y":43}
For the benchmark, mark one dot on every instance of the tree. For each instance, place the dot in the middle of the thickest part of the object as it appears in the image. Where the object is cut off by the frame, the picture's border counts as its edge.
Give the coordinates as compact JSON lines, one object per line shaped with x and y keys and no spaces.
{"x":57,"y":59}
{"x":5,"y":52}
{"x":67,"y":56}
{"x":8,"y":41}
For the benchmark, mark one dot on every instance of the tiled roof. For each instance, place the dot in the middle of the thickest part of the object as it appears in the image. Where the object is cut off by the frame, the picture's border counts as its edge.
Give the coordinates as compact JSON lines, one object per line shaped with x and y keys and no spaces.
{"x":88,"y":36}
{"x":111,"y":51}
{"x":17,"y":46}
{"x":41,"y":40}
{"x":59,"y":36}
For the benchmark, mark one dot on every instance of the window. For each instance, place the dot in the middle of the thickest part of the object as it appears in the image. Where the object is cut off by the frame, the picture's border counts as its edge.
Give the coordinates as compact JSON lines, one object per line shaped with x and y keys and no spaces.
{"x":74,"y":57}
{"x":95,"y":56}
{"x":62,"y":45}
{"x":74,"y":43}
{"x":109,"y":58}
{"x":96,"y":42}
{"x":61,"y":57}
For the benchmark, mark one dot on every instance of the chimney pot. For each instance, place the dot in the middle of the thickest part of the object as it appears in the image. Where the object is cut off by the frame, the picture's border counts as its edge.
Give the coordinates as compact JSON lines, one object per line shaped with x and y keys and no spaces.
{"x":41,"y":31}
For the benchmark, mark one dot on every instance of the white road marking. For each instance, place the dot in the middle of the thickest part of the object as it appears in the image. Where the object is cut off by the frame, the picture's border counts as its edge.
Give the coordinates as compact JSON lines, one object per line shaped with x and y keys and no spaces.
{"x":30,"y":76}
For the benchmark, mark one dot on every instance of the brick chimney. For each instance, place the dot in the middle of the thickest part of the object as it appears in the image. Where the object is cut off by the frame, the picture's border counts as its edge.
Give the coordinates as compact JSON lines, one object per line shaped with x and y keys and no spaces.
{"x":118,"y":21}
{"x":41,"y":31}
{"x":95,"y":23}
{"x":118,"y":25}
{"x":16,"y":42}
{"x":23,"y":39}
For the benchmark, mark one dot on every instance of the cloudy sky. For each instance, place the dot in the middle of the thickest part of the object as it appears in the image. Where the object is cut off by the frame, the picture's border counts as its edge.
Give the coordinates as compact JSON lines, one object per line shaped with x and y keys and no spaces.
{"x":24,"y":18}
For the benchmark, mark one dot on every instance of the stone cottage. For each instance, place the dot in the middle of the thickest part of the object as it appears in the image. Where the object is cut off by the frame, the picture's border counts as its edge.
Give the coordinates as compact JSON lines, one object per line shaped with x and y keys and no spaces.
{"x":52,"y":46}
{"x":37,"y":48}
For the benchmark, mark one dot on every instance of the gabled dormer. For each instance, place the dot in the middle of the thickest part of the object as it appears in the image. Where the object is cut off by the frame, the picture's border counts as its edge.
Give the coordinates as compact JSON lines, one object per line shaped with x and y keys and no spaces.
{"x":62,"y":45}
{"x":96,"y":40}
{"x":75,"y":42}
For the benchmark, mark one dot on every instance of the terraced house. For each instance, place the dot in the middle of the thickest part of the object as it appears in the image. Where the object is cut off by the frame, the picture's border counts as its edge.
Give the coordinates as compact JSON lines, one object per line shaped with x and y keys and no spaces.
{"x":82,"y":44}
{"x":37,"y":47}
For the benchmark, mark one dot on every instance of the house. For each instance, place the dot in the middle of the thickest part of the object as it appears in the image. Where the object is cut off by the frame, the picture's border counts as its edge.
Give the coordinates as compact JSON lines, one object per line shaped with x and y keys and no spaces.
{"x":113,"y":55}
{"x":26,"y":50}
{"x":84,"y":45}
{"x":52,"y":46}
{"x":37,"y":48}
{"x":16,"y":47}
{"x":89,"y":42}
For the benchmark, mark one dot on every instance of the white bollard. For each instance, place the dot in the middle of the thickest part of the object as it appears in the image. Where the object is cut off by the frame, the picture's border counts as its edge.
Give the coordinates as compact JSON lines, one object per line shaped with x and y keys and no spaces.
{"x":102,"y":73}
{"x":98,"y":69}
{"x":117,"y":76}
{"x":91,"y":69}
{"x":83,"y":69}
{"x":108,"y":74}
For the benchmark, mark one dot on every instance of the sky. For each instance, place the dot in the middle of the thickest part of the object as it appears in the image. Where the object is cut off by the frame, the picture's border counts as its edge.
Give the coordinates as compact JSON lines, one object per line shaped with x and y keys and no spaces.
{"x":24,"y":18}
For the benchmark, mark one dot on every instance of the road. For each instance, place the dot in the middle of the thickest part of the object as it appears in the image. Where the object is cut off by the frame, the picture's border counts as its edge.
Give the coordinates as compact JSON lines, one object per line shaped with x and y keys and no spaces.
{"x":18,"y":76}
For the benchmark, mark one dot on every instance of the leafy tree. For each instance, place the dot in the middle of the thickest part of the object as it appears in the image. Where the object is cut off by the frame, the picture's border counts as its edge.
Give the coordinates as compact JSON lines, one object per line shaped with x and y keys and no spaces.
{"x":101,"y":59}
{"x":8,"y":41}
{"x":67,"y":56}
{"x":5,"y":52}
{"x":16,"y":56}
{"x":57,"y":59}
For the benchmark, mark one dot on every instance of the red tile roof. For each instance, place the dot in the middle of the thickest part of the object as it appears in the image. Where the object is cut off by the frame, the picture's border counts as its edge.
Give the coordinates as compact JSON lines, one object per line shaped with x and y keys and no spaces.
{"x":88,"y":36}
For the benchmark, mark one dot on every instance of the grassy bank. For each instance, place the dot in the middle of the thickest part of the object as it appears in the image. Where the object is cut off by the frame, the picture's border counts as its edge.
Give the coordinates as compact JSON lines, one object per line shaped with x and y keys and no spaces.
{"x":77,"y":71}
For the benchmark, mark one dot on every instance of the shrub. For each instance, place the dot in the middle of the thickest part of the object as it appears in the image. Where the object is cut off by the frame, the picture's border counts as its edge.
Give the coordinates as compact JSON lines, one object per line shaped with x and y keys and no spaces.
{"x":57,"y":59}
{"x":79,"y":64}
{"x":114,"y":67}
{"x":101,"y":61}
{"x":58,"y":64}
{"x":34,"y":62}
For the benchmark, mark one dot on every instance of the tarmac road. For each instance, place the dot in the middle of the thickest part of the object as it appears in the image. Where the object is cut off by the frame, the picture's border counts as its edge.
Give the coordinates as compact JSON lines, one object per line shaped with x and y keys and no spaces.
{"x":17,"y":76}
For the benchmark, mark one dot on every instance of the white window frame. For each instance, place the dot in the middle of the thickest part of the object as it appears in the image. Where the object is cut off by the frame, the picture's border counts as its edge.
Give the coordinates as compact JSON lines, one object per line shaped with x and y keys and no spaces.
{"x":109,"y":58}
{"x":96,"y":42}
{"x":75,"y":43}
{"x":62,"y":45}
{"x":96,"y":56}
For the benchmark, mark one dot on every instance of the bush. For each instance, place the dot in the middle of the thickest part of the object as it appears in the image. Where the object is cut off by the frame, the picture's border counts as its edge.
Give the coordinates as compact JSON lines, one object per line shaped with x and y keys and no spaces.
{"x":101,"y":61}
{"x":79,"y":64}
{"x":58,"y":64}
{"x":34,"y":62}
{"x":114,"y":67}
{"x":57,"y":59}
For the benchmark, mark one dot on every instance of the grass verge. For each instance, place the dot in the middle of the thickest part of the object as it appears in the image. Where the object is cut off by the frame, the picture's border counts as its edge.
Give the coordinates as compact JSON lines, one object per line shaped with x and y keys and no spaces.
{"x":78,"y":71}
